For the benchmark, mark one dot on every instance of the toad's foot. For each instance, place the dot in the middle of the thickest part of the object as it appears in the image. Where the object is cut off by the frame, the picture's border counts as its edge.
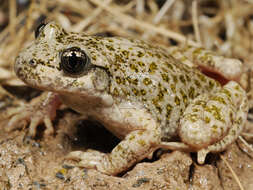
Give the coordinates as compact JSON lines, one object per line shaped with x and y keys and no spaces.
{"x":91,"y":159}
{"x":41,"y":109}
{"x":212,"y":122}
{"x":234,"y":131}
{"x":136,"y":146}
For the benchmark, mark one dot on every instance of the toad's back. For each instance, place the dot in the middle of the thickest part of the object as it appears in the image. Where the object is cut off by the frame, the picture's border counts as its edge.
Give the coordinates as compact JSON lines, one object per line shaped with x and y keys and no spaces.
{"x":147,"y":74}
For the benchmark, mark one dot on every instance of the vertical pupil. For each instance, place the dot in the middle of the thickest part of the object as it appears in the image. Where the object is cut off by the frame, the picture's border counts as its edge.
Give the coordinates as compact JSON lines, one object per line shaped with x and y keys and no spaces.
{"x":73,"y":60}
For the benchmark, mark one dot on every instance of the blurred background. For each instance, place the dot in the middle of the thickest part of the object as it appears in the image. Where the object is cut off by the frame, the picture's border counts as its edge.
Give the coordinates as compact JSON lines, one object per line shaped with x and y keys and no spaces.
{"x":224,"y":26}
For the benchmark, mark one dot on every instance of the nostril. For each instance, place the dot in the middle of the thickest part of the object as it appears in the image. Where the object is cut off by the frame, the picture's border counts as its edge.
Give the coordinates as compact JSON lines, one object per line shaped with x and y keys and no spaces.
{"x":18,"y":70}
{"x":32,"y":62}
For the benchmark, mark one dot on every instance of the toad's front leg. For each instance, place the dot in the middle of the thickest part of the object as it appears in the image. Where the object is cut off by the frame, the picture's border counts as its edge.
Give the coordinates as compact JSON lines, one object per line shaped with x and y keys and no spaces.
{"x":136,"y":146}
{"x":41,"y":109}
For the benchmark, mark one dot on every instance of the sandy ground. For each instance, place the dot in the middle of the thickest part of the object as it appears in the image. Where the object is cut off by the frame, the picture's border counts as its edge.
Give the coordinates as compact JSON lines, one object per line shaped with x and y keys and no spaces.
{"x":39,"y":163}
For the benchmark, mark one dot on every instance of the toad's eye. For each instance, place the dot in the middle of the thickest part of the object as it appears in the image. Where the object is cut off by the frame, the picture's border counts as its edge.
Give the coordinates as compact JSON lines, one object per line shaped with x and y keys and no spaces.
{"x":74,"y":61}
{"x":39,"y":29}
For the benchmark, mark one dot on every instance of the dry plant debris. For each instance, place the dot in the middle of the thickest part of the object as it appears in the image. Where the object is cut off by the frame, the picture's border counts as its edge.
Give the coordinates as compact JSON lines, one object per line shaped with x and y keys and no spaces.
{"x":225,"y":27}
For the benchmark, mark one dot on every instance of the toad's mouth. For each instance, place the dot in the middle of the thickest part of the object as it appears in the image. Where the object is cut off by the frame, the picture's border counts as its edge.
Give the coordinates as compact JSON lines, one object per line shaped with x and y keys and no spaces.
{"x":51,"y":79}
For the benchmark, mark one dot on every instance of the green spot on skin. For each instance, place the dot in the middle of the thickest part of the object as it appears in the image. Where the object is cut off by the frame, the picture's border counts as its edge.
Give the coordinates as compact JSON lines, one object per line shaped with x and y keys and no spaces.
{"x":211,"y":84}
{"x":188,"y":78}
{"x":214,"y":128}
{"x":231,"y":116}
{"x":125,"y":53}
{"x":132,"y":137}
{"x":192,"y":117}
{"x":143,"y":92}
{"x":182,"y":79}
{"x":109,"y":47}
{"x":134,"y":67}
{"x":147,"y":81}
{"x":75,"y":83}
{"x":207,"y":120}
{"x":152,"y":67}
{"x":159,"y":109}
{"x":157,"y":106}
{"x":126,"y":93}
{"x":160,"y":95}
{"x":191,"y":92}
{"x":135,"y":91}
{"x":195,"y":110}
{"x":237,"y":87}
{"x":239,"y":121}
{"x":201,"y":103}
{"x":135,"y":81}
{"x":218,"y":99}
{"x":169,"y":66}
{"x":140,"y":63}
{"x":196,"y":52}
{"x":132,"y":81}
{"x":119,"y":148}
{"x":150,"y":54}
{"x":173,"y":88}
{"x":165,"y":77}
{"x":118,"y":79}
{"x":226,"y":91}
{"x":197,"y":83}
{"x":174,"y":79}
{"x":185,"y":98}
{"x":115,"y":92}
{"x":177,"y":100}
{"x":183,"y":58}
{"x":169,"y":109}
{"x":140,"y":54}
{"x":158,"y":55}
{"x":201,"y":77}
{"x":216,"y":112}
{"x":119,"y":59}
{"x":141,"y":142}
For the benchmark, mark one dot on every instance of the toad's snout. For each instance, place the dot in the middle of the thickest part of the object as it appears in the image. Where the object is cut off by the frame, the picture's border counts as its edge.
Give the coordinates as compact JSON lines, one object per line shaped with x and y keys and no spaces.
{"x":18,"y":65}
